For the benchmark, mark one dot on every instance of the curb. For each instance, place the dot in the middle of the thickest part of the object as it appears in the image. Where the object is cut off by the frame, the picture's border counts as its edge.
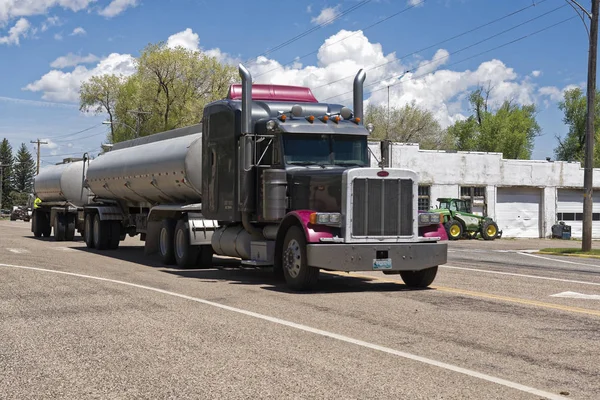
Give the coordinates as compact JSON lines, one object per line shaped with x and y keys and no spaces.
{"x":568,"y":255}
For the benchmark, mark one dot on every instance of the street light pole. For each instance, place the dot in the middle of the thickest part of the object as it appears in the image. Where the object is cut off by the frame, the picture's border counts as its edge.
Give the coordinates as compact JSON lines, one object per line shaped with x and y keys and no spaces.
{"x":588,"y":172}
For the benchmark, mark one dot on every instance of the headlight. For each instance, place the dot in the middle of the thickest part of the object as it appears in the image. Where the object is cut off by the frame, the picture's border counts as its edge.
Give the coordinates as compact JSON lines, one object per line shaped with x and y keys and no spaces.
{"x":334,"y":219}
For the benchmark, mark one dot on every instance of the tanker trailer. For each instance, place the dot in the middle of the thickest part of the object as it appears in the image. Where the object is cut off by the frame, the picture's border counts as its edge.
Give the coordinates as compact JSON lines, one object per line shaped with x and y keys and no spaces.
{"x":272,"y":177}
{"x":147,"y":185}
{"x":61,"y":189}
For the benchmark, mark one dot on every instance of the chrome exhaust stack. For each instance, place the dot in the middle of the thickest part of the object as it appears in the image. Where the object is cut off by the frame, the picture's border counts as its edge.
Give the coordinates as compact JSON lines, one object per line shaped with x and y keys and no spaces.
{"x":246,"y":99}
{"x":359,"y":80}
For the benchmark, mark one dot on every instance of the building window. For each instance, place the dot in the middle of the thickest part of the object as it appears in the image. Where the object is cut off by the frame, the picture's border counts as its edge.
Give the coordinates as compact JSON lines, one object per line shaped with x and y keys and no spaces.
{"x":424,"y":197}
{"x":575,"y":216}
{"x":476,"y":196}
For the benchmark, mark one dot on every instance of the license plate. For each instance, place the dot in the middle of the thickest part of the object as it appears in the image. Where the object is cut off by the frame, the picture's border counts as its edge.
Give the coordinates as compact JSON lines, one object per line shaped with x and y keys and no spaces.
{"x":382,"y":263}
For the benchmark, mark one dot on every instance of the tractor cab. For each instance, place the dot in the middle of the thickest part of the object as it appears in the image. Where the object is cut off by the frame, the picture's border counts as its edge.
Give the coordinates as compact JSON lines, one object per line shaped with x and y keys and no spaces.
{"x":455,"y":205}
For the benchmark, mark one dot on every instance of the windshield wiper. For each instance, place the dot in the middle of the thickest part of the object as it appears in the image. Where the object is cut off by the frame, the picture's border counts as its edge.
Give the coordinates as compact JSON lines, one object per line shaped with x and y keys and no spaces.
{"x":305,"y":163}
{"x":347,"y":164}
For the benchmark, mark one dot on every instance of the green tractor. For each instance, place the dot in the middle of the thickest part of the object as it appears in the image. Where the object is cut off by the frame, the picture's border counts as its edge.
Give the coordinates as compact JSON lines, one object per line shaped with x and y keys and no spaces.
{"x":459,"y":221}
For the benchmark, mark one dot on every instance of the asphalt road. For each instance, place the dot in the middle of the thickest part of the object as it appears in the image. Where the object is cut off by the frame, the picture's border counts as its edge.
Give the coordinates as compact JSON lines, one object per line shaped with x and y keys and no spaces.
{"x":80,"y":324}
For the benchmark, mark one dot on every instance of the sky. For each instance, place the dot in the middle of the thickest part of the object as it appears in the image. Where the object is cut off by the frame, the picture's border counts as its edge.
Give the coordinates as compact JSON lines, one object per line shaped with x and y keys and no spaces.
{"x":432,"y":52}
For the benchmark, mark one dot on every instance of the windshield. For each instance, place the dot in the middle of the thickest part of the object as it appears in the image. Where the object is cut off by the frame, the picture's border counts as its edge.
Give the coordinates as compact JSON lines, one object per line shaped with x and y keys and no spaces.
{"x":325,"y":150}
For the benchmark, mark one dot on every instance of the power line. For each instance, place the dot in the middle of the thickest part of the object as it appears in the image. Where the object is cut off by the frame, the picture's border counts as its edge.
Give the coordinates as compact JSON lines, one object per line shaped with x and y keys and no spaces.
{"x":348,"y":37}
{"x":75,"y":133}
{"x":473,"y":56}
{"x":79,"y":138}
{"x":440,"y":42}
{"x":451,"y":53}
{"x":313,"y":29}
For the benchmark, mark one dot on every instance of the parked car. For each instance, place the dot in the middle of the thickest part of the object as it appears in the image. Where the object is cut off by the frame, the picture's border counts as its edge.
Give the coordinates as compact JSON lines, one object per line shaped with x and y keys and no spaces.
{"x":20,"y":213}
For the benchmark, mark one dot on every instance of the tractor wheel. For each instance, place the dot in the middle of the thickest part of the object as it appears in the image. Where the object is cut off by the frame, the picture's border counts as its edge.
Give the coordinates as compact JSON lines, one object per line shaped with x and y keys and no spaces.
{"x":454,"y":229}
{"x":489,"y":230}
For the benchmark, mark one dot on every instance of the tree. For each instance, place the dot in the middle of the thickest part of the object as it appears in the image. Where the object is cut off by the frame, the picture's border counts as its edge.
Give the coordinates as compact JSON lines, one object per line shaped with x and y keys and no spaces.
{"x":24,"y":171}
{"x":574,"y":107}
{"x":99,"y":94}
{"x":169,"y":90}
{"x":408,"y":124}
{"x":6,"y":164}
{"x":510,"y":130}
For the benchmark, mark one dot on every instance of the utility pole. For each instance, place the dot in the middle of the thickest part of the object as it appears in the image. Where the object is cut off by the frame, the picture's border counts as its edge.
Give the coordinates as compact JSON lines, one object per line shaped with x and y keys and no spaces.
{"x":39,"y":143}
{"x":588,"y":181}
{"x":137,"y":120}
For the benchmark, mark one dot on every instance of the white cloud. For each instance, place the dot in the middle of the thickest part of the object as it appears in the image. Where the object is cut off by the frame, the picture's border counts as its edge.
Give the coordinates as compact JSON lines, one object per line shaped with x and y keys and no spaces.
{"x":79,"y":31}
{"x":36,"y":103}
{"x":64,"y":86}
{"x":186,"y":39}
{"x":116,"y":7}
{"x":58,"y":36}
{"x":20,"y":29}
{"x":417,"y":3}
{"x":554,"y":93}
{"x":326,"y":15}
{"x":72,"y":60}
{"x":309,"y":8}
{"x":536,"y":73}
{"x":50,"y":144}
{"x":50,"y":22}
{"x":11,"y":9}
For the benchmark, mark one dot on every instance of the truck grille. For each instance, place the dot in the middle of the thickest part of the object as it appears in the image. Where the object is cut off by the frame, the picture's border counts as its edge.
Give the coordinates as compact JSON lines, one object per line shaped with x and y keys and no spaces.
{"x":382,"y":207}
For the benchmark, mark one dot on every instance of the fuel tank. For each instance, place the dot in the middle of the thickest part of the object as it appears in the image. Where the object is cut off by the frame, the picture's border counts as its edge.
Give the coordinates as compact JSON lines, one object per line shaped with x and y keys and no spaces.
{"x":62,"y":183}
{"x":159,"y":172}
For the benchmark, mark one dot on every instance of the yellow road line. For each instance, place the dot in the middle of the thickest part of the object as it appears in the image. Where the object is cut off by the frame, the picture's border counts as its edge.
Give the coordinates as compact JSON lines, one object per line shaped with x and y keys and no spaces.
{"x":483,"y":295}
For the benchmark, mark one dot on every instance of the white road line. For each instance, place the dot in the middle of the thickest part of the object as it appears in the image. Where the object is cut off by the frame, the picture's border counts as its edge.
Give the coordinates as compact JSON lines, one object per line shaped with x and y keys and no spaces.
{"x":575,"y":295}
{"x":562,"y":261}
{"x":305,"y":328}
{"x":520,"y":275}
{"x":18,"y":251}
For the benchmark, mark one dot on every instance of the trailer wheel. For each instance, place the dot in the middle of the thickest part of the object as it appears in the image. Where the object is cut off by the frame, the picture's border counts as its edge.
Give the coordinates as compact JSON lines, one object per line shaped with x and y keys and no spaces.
{"x":298,"y":274}
{"x":44,"y":221}
{"x":115,"y":234}
{"x":70,"y":227}
{"x":36,"y":227}
{"x":101,"y":233}
{"x":88,"y":231}
{"x":185,"y":255}
{"x":60,"y":227}
{"x":419,"y":279}
{"x":166,"y":238}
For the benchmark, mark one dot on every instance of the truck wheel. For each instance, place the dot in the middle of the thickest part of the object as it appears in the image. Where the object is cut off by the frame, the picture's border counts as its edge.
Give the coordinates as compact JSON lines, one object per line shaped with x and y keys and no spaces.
{"x":101,"y":233}
{"x":70,"y":227}
{"x":489,"y":230}
{"x":454,"y":229}
{"x":88,"y":231}
{"x":36,"y":227}
{"x":60,"y":227}
{"x":205,"y":257}
{"x":298,"y":275}
{"x":185,"y":255}
{"x":115,"y":234}
{"x":44,"y":221}
{"x":166,"y":241}
{"x":419,"y":279}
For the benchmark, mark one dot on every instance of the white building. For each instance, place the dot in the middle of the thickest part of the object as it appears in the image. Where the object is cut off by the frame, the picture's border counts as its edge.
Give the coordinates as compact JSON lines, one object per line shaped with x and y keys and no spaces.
{"x":525,"y":197}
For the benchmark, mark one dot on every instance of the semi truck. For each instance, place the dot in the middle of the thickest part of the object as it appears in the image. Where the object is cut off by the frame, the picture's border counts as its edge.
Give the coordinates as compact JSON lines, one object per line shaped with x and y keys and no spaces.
{"x":63,"y":194}
{"x":270,"y":176}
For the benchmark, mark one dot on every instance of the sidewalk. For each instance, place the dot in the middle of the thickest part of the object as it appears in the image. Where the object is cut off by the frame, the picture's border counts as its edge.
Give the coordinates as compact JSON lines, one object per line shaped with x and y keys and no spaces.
{"x":518,"y":244}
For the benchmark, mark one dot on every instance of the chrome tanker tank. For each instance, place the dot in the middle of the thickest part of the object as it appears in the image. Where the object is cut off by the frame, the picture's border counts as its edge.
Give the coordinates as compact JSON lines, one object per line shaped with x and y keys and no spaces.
{"x":161,"y":168}
{"x":62,"y":183}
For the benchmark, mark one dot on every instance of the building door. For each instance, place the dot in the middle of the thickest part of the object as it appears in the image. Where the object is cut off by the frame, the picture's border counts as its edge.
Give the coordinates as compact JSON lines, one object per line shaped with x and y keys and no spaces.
{"x":569,"y":208}
{"x":518,"y":211}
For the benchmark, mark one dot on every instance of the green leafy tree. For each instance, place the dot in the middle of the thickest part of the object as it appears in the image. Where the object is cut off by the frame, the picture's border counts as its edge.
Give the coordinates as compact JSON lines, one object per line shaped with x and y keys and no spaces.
{"x":407,"y":124}
{"x":574,"y":107}
{"x":6,"y":165}
{"x":169,"y":90}
{"x":511,"y":129}
{"x":24,"y":171}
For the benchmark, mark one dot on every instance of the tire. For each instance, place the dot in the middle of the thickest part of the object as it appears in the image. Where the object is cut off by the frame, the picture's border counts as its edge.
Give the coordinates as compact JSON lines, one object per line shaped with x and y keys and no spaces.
{"x":88,"y":231}
{"x":419,"y":279}
{"x":45,"y":226}
{"x":166,"y":241}
{"x":489,"y":230}
{"x":115,"y":234}
{"x":185,"y":255}
{"x":101,"y":233}
{"x":454,"y":229}
{"x":60,"y":227}
{"x":298,"y":274}
{"x":36,"y":227}
{"x":70,"y":227}
{"x":205,"y":257}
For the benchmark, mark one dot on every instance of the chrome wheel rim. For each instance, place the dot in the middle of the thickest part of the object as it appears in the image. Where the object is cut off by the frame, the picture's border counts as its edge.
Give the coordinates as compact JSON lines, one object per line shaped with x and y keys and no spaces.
{"x":163,"y":241}
{"x":293,"y":258}
{"x":180,"y":243}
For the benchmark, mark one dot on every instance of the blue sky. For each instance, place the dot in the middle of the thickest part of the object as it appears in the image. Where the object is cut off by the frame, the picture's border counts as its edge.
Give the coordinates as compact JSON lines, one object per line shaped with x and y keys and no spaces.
{"x":47,"y":47}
